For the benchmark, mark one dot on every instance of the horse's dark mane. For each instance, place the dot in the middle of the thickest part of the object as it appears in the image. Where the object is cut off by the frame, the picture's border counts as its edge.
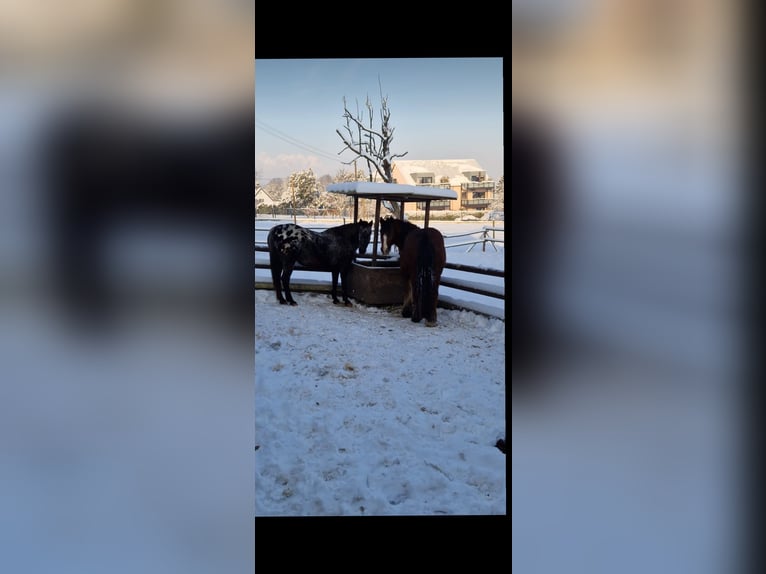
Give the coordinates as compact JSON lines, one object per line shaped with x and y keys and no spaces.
{"x":345,"y":230}
{"x":405,"y":227}
{"x":408,"y":226}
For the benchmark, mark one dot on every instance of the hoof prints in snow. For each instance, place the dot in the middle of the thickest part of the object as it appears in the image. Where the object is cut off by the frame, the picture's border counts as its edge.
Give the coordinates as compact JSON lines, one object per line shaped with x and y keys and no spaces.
{"x":363,"y":417}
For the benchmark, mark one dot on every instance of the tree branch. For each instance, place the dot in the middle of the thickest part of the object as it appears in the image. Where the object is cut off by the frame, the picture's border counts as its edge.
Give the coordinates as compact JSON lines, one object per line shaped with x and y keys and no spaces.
{"x":370,"y":144}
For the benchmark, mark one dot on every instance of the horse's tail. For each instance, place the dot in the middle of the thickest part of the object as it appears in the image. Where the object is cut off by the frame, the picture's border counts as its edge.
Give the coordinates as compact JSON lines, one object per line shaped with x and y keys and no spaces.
{"x":424,"y":279}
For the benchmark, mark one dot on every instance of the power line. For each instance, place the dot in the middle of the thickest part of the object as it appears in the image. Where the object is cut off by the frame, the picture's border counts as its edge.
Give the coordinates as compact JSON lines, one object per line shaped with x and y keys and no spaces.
{"x":295,"y":142}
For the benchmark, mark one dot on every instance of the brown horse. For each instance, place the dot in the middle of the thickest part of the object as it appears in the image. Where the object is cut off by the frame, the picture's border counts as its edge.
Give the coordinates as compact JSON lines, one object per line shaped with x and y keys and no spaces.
{"x":421,"y":259}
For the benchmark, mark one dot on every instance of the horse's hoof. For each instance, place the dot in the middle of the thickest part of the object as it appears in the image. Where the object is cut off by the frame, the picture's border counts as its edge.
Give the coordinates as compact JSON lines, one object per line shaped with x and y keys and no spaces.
{"x":348,"y":304}
{"x":335,"y":302}
{"x":293,"y":303}
{"x":283,"y":302}
{"x":430,"y":323}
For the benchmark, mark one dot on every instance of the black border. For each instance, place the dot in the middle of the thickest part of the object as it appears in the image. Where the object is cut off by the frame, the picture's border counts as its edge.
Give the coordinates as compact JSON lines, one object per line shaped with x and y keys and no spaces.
{"x":401,"y":541}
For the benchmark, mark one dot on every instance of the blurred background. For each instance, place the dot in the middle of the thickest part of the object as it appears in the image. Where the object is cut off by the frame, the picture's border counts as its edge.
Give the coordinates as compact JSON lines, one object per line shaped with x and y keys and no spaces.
{"x":629,"y":211}
{"x":126,"y":335}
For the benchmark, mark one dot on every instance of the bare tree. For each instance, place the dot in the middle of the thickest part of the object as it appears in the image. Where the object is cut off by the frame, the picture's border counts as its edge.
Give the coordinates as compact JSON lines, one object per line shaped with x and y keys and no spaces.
{"x":371,"y":144}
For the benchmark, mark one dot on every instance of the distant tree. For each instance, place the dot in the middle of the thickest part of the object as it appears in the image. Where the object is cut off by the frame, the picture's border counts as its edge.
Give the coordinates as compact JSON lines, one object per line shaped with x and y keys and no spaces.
{"x":303,"y":188}
{"x":343,"y":176}
{"x":276,"y":188}
{"x":370,"y":143}
{"x":365,"y":209}
{"x":329,"y":203}
{"x":498,"y":201}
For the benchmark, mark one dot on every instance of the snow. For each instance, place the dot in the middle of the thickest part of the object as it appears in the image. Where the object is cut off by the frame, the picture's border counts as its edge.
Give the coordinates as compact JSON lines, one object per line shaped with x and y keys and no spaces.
{"x":360,"y":411}
{"x":364,"y":188}
{"x":454,"y":169}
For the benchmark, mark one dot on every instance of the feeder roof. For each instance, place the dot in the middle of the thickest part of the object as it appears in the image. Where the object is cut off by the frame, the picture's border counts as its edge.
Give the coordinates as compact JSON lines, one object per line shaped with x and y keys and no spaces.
{"x":392,"y":191}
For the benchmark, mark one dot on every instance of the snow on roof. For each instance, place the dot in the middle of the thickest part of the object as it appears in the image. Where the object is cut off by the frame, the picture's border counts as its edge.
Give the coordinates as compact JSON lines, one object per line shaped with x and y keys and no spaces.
{"x":262,"y":191}
{"x":454,"y":169}
{"x":391,"y":190}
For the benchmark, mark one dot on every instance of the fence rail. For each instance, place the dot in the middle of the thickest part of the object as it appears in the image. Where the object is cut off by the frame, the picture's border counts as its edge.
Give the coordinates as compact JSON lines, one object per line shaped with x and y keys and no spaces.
{"x":484,"y":239}
{"x":467,"y":285}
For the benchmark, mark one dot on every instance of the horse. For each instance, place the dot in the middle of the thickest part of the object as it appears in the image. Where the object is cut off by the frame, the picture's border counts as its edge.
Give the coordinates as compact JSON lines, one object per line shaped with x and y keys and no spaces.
{"x":422,"y":256}
{"x":334,"y":248}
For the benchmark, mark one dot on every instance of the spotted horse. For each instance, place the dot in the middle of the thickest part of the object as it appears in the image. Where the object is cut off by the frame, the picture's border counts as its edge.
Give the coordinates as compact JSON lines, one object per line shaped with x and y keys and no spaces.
{"x":333,"y":249}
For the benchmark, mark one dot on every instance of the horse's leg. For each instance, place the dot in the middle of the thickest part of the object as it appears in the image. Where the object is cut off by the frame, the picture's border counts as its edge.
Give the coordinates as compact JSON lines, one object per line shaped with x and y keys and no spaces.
{"x":276,"y":272}
{"x":436,"y":298}
{"x":288,"y":271}
{"x":441,"y":257}
{"x":335,"y":287}
{"x":407,"y":307}
{"x":344,"y":286}
{"x":430,"y":313}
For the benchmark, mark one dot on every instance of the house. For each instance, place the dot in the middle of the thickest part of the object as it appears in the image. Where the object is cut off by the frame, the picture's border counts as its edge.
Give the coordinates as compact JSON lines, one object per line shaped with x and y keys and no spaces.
{"x":263,"y":197}
{"x":475,"y":190}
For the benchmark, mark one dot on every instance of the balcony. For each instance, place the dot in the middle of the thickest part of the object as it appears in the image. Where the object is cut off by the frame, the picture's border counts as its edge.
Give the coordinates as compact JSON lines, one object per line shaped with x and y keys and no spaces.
{"x":436,"y":204}
{"x":471,"y":185}
{"x":439,"y":185}
{"x":476,"y":203}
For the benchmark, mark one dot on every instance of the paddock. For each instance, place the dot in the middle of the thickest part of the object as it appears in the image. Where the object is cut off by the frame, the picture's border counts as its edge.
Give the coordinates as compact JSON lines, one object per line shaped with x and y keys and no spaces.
{"x":473,"y":278}
{"x":375,"y":280}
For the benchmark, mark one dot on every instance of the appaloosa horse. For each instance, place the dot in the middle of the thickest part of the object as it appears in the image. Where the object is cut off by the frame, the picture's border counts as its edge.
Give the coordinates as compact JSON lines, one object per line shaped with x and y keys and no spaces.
{"x":334,"y":249}
{"x":422,"y":256}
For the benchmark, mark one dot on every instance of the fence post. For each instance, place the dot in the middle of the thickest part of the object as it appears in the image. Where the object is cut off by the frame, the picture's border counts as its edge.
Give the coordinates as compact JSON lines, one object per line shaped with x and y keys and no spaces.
{"x":484,"y":243}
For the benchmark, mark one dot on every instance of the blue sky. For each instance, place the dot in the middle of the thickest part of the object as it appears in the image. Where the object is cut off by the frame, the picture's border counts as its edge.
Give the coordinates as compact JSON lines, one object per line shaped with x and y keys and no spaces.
{"x":441,"y":108}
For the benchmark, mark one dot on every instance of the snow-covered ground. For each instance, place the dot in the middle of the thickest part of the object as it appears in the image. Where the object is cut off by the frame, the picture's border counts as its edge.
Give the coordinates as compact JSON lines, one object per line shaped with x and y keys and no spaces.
{"x":359,"y":411}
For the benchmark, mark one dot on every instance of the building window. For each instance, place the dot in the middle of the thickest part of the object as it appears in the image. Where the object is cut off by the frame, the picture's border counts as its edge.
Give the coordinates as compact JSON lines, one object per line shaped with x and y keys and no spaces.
{"x":427,"y":179}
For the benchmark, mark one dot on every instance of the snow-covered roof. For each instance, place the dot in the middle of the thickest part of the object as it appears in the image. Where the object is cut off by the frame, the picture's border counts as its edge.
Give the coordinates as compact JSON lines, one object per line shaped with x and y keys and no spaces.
{"x":261,"y":192}
{"x":395,"y":191}
{"x":453,"y":169}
